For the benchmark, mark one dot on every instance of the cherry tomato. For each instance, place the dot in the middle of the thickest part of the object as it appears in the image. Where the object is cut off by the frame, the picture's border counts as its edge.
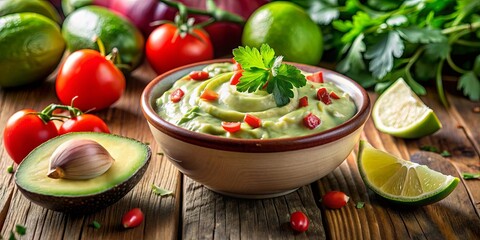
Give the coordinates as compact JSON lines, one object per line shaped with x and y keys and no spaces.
{"x":96,"y":82}
{"x":303,"y":102}
{"x":176,"y":95}
{"x":24,"y":131}
{"x":334,"y":95}
{"x":132,"y":218}
{"x":322,"y":95}
{"x":235,"y":79}
{"x":84,"y":123}
{"x":231,"y":127}
{"x":199,"y":75}
{"x":335,"y":199}
{"x":209,"y":95}
{"x":167,"y":49}
{"x":311,"y":121}
{"x":299,"y":221}
{"x":253,"y":121}
{"x":316,"y":77}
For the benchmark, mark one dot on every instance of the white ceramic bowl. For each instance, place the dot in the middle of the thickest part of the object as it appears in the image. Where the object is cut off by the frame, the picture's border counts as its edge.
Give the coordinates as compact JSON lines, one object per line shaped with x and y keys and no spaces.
{"x":250,"y":168}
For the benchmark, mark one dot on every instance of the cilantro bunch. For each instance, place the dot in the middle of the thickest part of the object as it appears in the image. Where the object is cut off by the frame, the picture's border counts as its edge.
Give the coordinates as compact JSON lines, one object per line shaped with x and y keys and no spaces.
{"x":378,"y":41}
{"x":263,"y":70}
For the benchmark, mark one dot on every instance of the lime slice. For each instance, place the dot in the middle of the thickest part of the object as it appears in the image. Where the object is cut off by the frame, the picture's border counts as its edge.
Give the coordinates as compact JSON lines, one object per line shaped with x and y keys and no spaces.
{"x":401,"y":113}
{"x":402,"y":181}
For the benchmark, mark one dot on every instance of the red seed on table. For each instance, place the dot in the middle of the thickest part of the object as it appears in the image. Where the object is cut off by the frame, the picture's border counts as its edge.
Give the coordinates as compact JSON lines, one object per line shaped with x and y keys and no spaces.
{"x":335,"y":199}
{"x":299,"y":221}
{"x":132,"y":218}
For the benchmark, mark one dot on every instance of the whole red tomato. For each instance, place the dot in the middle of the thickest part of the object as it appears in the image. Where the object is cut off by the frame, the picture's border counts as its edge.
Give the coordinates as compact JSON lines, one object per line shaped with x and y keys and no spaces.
{"x":166,"y":49}
{"x":25,"y":130}
{"x":88,"y":75}
{"x":83,"y":123}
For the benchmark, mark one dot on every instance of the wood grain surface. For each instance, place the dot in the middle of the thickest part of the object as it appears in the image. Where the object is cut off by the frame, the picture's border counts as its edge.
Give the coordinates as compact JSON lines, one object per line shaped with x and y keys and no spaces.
{"x":194,"y":212}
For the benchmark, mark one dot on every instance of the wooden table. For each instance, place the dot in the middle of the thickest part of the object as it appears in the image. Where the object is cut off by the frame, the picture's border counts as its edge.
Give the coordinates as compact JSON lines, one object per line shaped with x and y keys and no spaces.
{"x":194,"y":212}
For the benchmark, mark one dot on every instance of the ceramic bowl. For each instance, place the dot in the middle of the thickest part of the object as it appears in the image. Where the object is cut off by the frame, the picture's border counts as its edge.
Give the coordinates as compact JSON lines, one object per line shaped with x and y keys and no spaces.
{"x":261,"y":168}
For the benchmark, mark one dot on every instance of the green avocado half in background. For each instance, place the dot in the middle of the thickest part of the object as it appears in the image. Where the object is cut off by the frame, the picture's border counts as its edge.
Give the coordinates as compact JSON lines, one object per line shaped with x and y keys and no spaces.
{"x":31,"y":46}
{"x":82,"y":26}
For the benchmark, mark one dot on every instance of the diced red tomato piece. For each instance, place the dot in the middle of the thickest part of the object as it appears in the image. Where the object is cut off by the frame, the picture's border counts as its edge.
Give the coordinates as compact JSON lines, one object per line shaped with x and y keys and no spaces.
{"x":253,"y":121}
{"x":231,"y":127}
{"x":209,"y":95}
{"x":334,"y":95}
{"x":235,"y":79}
{"x":316,"y":77}
{"x":303,"y":102}
{"x":177,"y":95}
{"x":322,"y":95}
{"x":199,"y":75}
{"x":311,"y":121}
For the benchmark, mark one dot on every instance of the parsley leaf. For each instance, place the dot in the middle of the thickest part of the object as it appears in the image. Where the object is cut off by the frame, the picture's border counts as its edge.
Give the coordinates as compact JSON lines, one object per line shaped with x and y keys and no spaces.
{"x":470,"y":84}
{"x":388,"y":46}
{"x":415,"y":34}
{"x":262,"y":68}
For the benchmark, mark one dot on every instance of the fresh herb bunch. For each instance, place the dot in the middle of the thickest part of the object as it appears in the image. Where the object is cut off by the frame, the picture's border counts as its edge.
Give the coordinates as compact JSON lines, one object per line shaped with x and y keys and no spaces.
{"x":262,"y":69}
{"x":378,"y":41}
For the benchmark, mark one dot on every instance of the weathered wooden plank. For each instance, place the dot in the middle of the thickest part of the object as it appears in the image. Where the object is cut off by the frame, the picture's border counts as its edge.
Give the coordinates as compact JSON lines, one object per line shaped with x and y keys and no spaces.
{"x":208,"y":215}
{"x":124,"y":118}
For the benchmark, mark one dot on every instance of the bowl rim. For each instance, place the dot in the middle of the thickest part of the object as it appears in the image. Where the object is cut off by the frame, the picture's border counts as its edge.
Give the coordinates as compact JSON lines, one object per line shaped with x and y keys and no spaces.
{"x":254,"y":145}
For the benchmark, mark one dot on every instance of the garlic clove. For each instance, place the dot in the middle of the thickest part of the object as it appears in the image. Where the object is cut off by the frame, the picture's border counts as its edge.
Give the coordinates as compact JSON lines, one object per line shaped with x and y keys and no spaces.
{"x":79,"y":159}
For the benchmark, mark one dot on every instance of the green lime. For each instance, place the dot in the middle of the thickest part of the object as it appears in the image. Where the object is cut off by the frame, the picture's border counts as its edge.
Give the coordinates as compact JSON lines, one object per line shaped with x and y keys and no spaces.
{"x":31,"y":46}
{"x":82,"y":26}
{"x":401,"y":113}
{"x":288,"y":29}
{"x":41,"y":7}
{"x":402,"y":181}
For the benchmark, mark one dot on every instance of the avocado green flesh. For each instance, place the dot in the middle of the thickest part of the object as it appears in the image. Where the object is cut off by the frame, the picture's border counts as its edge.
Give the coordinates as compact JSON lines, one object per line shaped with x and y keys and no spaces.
{"x":130,"y":155}
{"x":196,"y":114}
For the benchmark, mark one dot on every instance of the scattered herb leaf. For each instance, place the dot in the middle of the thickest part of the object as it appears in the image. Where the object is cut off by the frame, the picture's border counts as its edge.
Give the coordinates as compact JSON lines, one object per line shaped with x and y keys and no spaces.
{"x":445,"y":153}
{"x":96,"y":225}
{"x":360,"y":205}
{"x":468,"y":176}
{"x":429,"y":148}
{"x":262,"y":68}
{"x":160,"y":191}
{"x":12,"y":236}
{"x":21,"y":230}
{"x":10,"y":169}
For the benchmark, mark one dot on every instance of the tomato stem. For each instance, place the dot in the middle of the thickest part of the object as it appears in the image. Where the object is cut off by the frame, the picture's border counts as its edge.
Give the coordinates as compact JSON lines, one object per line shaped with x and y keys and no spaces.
{"x":217,"y":14}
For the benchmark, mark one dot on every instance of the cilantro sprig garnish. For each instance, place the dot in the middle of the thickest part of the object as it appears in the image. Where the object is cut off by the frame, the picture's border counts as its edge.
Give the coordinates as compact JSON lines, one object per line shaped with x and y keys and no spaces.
{"x":262,"y":69}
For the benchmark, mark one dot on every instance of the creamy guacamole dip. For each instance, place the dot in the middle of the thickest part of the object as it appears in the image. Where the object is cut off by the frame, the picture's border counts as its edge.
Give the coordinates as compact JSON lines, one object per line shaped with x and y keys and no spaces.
{"x":206,"y":116}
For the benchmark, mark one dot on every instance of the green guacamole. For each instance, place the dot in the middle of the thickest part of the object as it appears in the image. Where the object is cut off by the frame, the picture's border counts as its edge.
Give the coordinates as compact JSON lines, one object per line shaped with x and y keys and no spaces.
{"x":196,"y":114}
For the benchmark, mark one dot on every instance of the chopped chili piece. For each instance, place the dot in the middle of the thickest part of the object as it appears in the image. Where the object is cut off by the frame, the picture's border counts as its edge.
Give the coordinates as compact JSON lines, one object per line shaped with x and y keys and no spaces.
{"x":231,"y":127}
{"x":316,"y":77}
{"x":199,"y":75}
{"x":236,"y":65}
{"x":176,"y":95}
{"x":311,"y":121}
{"x":322,"y":95}
{"x":235,"y":79}
{"x":253,"y":121}
{"x":303,"y":102}
{"x":209,"y":95}
{"x":334,"y":95}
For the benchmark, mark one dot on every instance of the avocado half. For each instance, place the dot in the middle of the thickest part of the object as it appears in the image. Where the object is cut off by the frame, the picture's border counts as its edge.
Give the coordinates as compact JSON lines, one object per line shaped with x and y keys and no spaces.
{"x":81,"y":196}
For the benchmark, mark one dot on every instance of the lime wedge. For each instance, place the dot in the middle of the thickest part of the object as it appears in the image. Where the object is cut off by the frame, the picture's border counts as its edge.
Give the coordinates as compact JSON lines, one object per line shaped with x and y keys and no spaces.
{"x":402,"y":181}
{"x":401,"y":113}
